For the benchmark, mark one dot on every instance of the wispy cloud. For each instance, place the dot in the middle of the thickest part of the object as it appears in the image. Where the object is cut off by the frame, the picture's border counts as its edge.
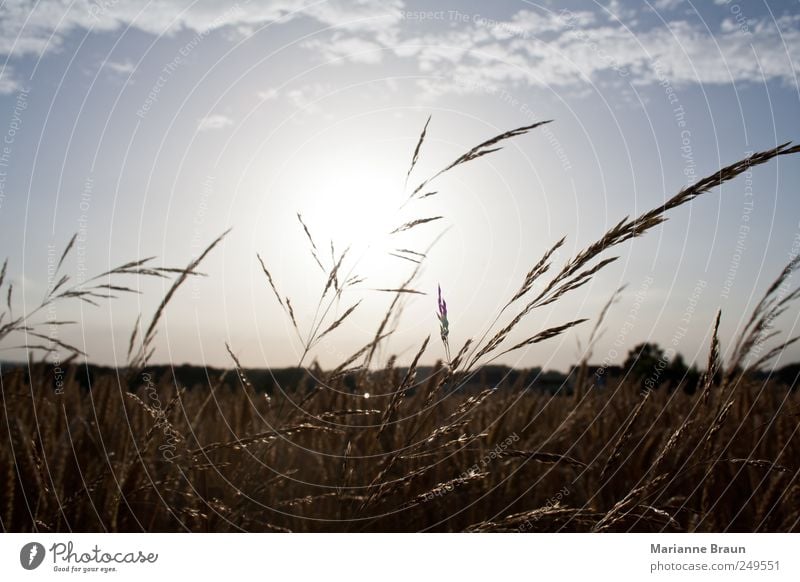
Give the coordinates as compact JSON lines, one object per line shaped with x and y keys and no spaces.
{"x":667,"y":4}
{"x":8,"y":82}
{"x":306,"y":99}
{"x":340,"y":49}
{"x":577,"y":49}
{"x":267,"y":94}
{"x":120,"y":68}
{"x":616,"y":43}
{"x":31,"y":27}
{"x":214,"y":122}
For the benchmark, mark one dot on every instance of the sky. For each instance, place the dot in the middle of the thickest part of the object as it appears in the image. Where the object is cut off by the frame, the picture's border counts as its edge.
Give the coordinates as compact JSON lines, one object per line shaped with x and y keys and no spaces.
{"x":150,"y":128}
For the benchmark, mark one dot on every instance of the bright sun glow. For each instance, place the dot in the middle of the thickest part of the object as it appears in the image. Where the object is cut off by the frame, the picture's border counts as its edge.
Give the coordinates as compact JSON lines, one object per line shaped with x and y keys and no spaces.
{"x":356,"y":201}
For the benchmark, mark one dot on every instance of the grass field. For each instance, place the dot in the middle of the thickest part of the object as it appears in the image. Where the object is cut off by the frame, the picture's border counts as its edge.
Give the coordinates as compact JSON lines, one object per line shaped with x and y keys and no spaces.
{"x":159,"y":459}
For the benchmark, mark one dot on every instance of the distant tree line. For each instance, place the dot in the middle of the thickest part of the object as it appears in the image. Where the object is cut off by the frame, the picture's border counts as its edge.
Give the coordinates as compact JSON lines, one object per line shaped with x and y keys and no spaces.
{"x":647,"y":365}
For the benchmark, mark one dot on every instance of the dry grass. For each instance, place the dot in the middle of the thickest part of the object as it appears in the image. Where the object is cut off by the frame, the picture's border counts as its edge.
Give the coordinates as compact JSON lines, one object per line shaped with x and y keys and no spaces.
{"x":135,"y":453}
{"x":214,"y":460}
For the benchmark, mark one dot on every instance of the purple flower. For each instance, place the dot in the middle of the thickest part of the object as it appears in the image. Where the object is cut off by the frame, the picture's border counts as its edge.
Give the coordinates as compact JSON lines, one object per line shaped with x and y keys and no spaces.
{"x":444,"y":324}
{"x":442,"y":305}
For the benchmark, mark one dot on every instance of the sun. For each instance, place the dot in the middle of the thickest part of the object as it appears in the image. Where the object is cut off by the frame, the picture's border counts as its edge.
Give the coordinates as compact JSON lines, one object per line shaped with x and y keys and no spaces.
{"x":356,"y":202}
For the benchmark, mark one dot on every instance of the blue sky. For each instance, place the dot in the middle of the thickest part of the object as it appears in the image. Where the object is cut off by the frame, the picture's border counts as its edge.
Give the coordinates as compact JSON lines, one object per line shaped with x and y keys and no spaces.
{"x":151,"y":128}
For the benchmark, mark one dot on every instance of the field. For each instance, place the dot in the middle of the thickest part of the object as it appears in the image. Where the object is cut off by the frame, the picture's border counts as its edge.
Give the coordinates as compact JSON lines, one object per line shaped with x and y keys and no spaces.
{"x":157,"y":459}
{"x":367,"y":447}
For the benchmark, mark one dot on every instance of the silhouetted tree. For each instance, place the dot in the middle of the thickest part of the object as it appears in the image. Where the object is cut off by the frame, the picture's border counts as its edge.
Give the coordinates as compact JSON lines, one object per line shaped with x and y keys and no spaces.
{"x":650,"y":366}
{"x":646,"y":364}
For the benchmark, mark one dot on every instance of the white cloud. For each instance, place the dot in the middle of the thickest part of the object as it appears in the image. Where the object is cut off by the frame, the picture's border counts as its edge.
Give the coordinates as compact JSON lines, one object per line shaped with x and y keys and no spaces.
{"x":666,"y":5}
{"x":616,"y":11}
{"x":214,"y":122}
{"x":573,"y":50}
{"x":30,"y":27}
{"x":531,"y":47}
{"x":358,"y":15}
{"x":123,"y":68}
{"x":267,"y":94}
{"x":307,"y":98}
{"x":8,"y":83}
{"x":351,"y":48}
{"x":539,"y":22}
